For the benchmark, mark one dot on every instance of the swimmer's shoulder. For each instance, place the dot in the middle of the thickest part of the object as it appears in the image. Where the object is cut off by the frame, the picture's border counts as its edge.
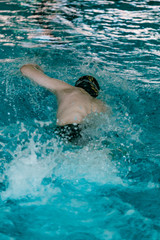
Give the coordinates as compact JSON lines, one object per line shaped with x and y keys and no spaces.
{"x":65,"y":90}
{"x":102,"y":106}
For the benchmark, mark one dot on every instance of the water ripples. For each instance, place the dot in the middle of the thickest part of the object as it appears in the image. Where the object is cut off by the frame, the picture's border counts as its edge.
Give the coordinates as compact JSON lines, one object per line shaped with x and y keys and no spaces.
{"x":123,"y":32}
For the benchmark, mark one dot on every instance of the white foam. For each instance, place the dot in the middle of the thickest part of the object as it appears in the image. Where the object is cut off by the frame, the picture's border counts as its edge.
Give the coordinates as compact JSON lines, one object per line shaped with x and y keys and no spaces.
{"x":26,"y":172}
{"x":88,"y":163}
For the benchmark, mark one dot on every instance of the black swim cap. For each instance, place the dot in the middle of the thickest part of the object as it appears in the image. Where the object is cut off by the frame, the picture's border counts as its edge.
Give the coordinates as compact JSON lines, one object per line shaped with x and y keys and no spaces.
{"x":89,"y":84}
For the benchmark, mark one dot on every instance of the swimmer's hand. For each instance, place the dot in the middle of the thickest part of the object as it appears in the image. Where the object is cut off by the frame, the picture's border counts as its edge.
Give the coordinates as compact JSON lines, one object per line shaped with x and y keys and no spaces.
{"x":29,"y":66}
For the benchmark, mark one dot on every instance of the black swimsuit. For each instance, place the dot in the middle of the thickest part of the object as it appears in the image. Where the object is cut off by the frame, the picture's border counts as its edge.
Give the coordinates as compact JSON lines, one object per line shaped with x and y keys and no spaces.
{"x":69,"y":132}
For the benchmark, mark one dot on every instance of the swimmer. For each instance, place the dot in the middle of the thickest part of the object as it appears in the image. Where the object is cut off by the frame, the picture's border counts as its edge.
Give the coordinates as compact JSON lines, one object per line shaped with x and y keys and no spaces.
{"x":75,"y":103}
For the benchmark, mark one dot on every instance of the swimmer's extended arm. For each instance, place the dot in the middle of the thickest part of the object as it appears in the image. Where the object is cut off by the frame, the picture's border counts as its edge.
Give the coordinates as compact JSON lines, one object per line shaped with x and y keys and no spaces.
{"x":35,"y":73}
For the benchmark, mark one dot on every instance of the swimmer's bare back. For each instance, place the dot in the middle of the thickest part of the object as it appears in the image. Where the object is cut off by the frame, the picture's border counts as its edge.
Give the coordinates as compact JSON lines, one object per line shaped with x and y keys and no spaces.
{"x":74,"y":103}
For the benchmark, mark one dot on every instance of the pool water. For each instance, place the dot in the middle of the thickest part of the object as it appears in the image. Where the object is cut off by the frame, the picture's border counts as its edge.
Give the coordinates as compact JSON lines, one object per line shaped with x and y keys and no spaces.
{"x":109,"y":187}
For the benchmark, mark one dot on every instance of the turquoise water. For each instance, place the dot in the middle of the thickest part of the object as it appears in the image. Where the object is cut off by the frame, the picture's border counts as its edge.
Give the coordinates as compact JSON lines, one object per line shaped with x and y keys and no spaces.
{"x":109,"y":188}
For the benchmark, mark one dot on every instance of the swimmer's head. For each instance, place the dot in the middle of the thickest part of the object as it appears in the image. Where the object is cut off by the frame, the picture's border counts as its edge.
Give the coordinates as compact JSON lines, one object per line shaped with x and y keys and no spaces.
{"x":89,"y":84}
